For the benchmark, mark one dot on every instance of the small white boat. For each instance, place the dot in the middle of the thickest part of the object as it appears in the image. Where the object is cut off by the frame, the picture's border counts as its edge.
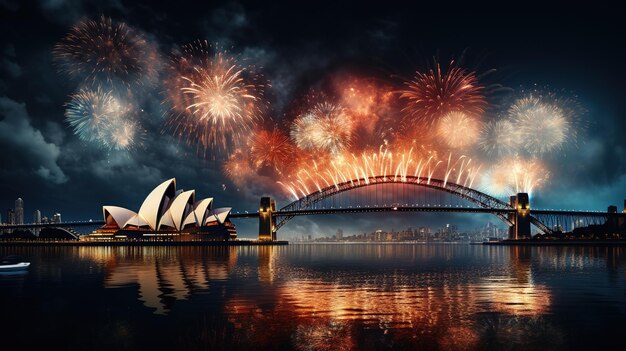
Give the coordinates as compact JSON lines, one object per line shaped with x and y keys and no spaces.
{"x":13,"y":263}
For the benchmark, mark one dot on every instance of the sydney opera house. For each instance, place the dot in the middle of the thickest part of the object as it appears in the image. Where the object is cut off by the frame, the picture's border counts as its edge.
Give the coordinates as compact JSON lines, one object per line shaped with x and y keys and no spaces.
{"x":167,"y":214}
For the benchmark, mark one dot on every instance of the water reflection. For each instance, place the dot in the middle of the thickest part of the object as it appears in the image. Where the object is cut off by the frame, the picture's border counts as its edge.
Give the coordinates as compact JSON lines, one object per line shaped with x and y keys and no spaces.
{"x":336,"y":297}
{"x":161,"y":274}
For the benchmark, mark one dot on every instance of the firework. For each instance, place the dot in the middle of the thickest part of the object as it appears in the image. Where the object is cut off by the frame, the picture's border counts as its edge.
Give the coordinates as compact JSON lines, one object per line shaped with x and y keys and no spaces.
{"x":432,"y":94}
{"x":499,"y":138}
{"x":367,"y":167}
{"x":99,"y":117}
{"x":458,"y":130}
{"x":238,"y":167}
{"x":543,"y":125}
{"x":215,"y":100}
{"x":104,"y":50}
{"x":271,"y":148}
{"x":515,"y":175}
{"x":325,"y":127}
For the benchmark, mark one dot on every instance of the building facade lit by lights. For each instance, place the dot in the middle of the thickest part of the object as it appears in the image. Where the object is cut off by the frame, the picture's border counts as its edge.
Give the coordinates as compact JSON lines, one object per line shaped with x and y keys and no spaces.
{"x":167,"y":214}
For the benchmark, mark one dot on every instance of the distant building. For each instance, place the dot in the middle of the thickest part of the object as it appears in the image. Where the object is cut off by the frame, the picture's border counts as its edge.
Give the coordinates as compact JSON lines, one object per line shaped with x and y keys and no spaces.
{"x":339,"y":234}
{"x":56,"y":218}
{"x":10,"y":216}
{"x":37,"y":217}
{"x":19,"y":211}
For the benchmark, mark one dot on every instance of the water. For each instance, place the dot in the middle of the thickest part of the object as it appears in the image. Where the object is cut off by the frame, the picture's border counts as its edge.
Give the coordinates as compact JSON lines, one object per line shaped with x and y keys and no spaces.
{"x":316,"y":297}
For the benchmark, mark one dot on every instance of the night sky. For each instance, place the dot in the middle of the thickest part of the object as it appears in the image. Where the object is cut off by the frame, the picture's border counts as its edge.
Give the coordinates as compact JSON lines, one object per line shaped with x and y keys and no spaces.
{"x":578,"y":53}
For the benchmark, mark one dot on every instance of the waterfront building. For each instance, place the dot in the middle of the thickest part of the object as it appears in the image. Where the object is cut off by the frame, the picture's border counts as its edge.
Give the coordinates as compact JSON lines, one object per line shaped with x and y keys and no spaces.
{"x":19,"y":211}
{"x":37,"y":217}
{"x":56,"y":218}
{"x":167,"y":214}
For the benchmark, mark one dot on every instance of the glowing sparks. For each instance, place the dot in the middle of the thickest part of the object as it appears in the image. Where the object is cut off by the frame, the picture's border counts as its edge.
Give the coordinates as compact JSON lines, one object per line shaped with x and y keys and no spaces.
{"x":98,"y":117}
{"x":516,"y":175}
{"x":271,"y":148}
{"x":499,"y":138}
{"x":384,"y":164}
{"x":542,"y":126}
{"x":215,"y":100}
{"x":325,"y":127}
{"x":434,"y":93}
{"x":458,"y":130}
{"x":238,"y":167}
{"x":104,"y":50}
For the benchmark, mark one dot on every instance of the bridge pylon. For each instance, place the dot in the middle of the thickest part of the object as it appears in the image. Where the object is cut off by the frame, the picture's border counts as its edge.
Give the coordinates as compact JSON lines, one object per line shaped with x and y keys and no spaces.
{"x":521,"y":218}
{"x":267,"y":221}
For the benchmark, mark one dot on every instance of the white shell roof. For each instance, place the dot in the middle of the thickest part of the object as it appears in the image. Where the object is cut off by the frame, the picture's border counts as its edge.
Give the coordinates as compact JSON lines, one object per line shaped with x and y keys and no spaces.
{"x":165,"y":206}
{"x":136,"y":221}
{"x":118,"y":215}
{"x":154,"y":204}
{"x":178,"y":209}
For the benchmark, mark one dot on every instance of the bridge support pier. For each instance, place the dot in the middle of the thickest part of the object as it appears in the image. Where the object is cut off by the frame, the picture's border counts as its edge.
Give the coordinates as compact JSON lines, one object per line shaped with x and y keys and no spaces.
{"x":267,"y":221}
{"x":521,"y":218}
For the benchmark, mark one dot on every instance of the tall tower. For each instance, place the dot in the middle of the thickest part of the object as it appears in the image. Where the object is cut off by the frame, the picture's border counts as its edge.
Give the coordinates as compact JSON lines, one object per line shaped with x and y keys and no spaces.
{"x":267,"y":222}
{"x":522,"y":216}
{"x":37,"y":217}
{"x":19,"y":211}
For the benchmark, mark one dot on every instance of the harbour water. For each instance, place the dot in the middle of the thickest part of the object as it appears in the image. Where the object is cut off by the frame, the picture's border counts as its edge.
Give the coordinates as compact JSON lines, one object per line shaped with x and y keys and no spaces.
{"x":316,"y":297}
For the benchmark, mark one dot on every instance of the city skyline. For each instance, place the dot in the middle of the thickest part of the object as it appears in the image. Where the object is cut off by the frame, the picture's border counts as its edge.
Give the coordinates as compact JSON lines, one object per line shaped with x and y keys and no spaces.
{"x":63,"y":173}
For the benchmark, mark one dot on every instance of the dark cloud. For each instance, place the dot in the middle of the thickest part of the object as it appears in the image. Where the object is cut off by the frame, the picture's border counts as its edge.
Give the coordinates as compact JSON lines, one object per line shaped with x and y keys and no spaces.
{"x":25,"y":148}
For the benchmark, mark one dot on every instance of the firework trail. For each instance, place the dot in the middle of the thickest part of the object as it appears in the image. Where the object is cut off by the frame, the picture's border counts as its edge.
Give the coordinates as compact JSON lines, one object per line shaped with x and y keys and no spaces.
{"x":458,"y":130}
{"x":100,"y":118}
{"x":106,"y":51}
{"x":271,"y":148}
{"x":325,"y":127}
{"x":215,"y":100}
{"x":433,"y":93}
{"x":364,"y":169}
{"x":542,"y":126}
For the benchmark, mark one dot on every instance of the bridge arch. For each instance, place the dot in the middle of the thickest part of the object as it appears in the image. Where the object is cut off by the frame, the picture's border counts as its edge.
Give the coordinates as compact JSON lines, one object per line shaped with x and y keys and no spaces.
{"x":501,"y":208}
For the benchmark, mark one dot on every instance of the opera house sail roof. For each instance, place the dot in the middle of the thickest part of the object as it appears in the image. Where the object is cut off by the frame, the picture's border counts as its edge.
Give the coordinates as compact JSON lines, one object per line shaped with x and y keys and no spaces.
{"x":166,"y":208}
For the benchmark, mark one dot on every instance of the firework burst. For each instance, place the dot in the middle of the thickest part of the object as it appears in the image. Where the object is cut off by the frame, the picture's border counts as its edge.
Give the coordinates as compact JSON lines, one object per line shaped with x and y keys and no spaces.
{"x":432,"y":94}
{"x":271,"y":148}
{"x":238,"y":167}
{"x":515,"y":175}
{"x":106,"y":51}
{"x":499,"y":138}
{"x":325,"y":127}
{"x":458,"y":130}
{"x":543,"y":126}
{"x":99,"y":117}
{"x":215,"y":100}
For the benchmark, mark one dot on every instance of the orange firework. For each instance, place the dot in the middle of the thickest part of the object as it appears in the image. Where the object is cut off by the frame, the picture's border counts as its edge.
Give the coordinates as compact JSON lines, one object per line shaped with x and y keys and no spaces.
{"x":432,"y":94}
{"x":271,"y":148}
{"x":238,"y":167}
{"x":215,"y":100}
{"x":325,"y":127}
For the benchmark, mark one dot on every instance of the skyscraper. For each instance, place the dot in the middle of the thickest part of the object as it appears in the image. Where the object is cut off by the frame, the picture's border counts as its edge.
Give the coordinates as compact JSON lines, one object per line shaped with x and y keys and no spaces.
{"x":37,"y":217}
{"x":19,"y":211}
{"x":10,"y":216}
{"x":56,"y":218}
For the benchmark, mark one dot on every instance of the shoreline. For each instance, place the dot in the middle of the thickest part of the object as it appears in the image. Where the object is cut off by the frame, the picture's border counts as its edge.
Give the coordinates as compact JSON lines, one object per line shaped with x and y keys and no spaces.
{"x":557,"y":243}
{"x":145,"y":243}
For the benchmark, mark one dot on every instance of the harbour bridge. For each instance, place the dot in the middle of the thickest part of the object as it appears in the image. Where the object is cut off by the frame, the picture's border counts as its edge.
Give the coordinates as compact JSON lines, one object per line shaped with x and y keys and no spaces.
{"x":409,"y":194}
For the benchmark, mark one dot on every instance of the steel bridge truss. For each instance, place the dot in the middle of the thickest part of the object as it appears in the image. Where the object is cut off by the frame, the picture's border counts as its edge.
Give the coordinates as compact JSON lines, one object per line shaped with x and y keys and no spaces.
{"x":493,"y":205}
